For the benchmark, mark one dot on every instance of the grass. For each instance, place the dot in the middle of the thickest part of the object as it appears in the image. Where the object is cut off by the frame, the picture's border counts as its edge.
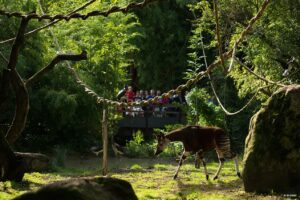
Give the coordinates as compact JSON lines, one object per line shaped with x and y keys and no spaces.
{"x":150,"y":178}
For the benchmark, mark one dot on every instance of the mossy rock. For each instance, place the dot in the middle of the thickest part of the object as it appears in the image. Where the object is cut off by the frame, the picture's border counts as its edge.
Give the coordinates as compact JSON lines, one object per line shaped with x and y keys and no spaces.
{"x":272,"y":150}
{"x":84,"y":189}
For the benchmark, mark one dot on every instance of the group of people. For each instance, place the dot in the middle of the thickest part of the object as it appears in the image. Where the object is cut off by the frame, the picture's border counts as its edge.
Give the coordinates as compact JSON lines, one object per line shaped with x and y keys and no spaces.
{"x":157,"y":108}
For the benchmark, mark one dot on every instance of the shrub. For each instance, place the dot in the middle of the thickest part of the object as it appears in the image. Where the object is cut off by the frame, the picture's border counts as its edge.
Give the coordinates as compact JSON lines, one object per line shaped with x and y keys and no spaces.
{"x":137,"y":147}
{"x":136,"y":167}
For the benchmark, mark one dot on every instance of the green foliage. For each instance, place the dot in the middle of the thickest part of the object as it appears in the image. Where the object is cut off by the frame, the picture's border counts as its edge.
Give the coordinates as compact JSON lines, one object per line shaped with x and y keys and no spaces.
{"x":163,"y":47}
{"x":137,"y":147}
{"x":136,"y":167}
{"x":61,"y":113}
{"x":203,"y":111}
{"x":174,"y":149}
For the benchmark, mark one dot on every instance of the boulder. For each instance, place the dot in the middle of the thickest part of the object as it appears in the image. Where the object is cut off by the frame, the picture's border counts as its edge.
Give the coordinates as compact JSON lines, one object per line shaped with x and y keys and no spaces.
{"x":272,"y":149}
{"x":100,"y":188}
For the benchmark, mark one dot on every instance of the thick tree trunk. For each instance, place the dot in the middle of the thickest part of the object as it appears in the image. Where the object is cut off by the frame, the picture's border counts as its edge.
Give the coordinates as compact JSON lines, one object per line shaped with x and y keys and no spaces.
{"x":4,"y":87}
{"x":22,"y":108}
{"x":11,"y":166}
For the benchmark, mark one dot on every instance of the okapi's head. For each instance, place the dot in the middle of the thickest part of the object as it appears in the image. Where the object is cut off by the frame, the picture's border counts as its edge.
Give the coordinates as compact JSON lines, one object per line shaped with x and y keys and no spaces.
{"x":162,"y":142}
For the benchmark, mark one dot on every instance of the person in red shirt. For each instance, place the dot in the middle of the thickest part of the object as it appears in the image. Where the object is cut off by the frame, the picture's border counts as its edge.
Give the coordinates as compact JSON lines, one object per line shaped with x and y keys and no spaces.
{"x":130,"y":94}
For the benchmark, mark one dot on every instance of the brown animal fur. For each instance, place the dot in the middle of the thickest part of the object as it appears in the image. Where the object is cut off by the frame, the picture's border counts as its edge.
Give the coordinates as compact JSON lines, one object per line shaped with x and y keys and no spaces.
{"x":197,"y":139}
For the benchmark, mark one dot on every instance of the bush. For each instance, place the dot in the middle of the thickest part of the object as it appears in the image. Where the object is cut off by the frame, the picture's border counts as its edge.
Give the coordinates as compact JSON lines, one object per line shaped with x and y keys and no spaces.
{"x":174,"y":149}
{"x":202,"y":109}
{"x":136,"y":167}
{"x":138,"y":148}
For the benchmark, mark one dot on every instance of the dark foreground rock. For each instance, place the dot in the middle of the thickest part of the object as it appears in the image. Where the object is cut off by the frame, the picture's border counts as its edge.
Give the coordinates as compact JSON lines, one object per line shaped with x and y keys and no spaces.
{"x":272,"y":151}
{"x":84,"y":189}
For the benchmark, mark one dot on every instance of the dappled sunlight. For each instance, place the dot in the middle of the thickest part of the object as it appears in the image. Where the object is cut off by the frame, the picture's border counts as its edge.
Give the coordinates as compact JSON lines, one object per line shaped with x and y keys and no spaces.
{"x":150,"y":179}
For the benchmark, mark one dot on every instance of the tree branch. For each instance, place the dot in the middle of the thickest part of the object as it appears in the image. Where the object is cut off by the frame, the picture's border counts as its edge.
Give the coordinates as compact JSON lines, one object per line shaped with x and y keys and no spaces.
{"x":229,"y":53}
{"x":13,"y":58}
{"x":3,"y":57}
{"x":51,"y":65}
{"x":256,"y":75}
{"x":114,"y":9}
{"x":216,"y":13}
{"x":51,"y":23}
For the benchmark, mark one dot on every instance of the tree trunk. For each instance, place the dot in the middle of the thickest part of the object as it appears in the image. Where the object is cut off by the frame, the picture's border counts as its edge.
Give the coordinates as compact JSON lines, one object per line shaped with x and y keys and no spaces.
{"x":4,"y":87}
{"x":22,"y":108}
{"x":11,"y":166}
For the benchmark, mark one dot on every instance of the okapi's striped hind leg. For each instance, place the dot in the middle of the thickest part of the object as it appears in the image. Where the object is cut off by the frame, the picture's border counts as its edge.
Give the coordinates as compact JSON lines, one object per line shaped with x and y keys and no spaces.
{"x":221,"y":163}
{"x":200,"y":158}
{"x":234,"y":156}
{"x":236,"y":162}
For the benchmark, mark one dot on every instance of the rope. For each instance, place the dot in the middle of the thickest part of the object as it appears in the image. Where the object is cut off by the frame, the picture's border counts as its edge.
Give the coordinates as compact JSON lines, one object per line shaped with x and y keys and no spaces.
{"x":69,"y":67}
{"x":187,"y":85}
{"x":233,"y":52}
{"x":214,"y":91}
{"x":51,"y":23}
{"x":232,"y":58}
{"x":76,"y":15}
{"x":101,"y":100}
{"x":258,"y":76}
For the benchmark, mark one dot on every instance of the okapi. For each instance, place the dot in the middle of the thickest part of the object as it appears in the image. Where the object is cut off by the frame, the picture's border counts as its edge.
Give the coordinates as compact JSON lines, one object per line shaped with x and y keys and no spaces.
{"x":198,"y":140}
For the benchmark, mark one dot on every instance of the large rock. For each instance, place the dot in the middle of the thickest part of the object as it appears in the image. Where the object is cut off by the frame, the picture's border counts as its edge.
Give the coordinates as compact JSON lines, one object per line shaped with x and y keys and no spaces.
{"x":272,"y":151}
{"x":84,"y":189}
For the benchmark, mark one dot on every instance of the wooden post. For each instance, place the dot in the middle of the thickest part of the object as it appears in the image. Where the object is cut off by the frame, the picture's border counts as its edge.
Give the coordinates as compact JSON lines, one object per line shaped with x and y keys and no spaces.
{"x":105,"y":144}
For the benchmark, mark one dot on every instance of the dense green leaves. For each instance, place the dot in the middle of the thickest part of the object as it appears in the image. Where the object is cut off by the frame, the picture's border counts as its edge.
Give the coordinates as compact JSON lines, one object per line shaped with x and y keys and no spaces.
{"x":163,"y":48}
{"x":61,"y":112}
{"x":163,"y":43}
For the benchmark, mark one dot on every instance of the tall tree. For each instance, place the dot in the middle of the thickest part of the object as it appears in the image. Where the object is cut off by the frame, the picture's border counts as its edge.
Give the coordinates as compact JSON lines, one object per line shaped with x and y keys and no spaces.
{"x":165,"y":28}
{"x":11,"y":167}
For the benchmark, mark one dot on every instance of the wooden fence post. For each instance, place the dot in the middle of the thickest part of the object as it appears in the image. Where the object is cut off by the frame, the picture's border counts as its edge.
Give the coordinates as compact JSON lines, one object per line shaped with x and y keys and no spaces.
{"x":105,"y":144}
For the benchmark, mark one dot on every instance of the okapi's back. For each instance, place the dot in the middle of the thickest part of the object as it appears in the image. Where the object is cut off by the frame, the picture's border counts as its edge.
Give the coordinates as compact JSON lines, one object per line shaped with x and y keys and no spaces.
{"x":205,"y":138}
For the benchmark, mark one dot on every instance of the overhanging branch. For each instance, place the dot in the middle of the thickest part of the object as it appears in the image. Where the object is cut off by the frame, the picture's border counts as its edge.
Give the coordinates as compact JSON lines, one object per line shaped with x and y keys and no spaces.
{"x":256,"y":75}
{"x":51,"y":23}
{"x":114,"y":9}
{"x":56,"y":60}
{"x":229,"y":53}
{"x":13,"y":58}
